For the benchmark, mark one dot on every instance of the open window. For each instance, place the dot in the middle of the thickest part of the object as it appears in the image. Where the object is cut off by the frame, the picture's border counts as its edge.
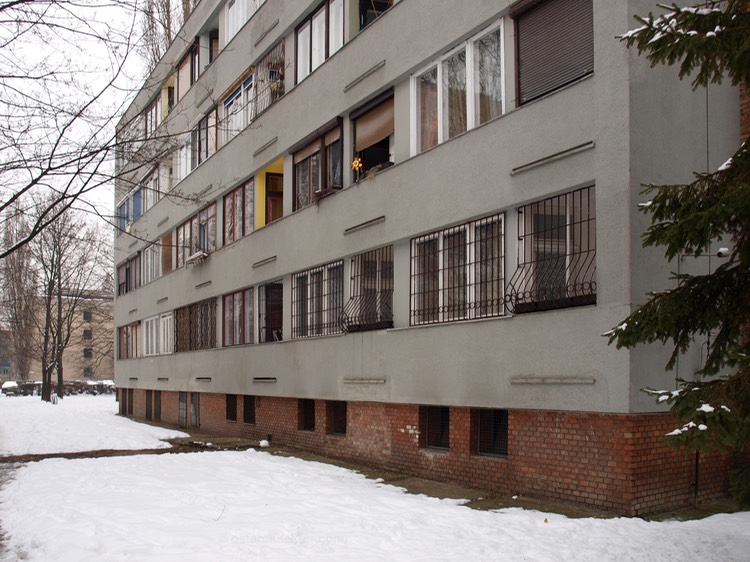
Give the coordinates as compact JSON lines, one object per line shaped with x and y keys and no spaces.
{"x":270,"y":312}
{"x":373,"y":134}
{"x":370,"y":10}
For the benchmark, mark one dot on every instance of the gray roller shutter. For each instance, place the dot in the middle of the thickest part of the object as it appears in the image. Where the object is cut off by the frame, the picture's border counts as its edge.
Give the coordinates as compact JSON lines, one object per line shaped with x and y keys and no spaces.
{"x":555,"y":46}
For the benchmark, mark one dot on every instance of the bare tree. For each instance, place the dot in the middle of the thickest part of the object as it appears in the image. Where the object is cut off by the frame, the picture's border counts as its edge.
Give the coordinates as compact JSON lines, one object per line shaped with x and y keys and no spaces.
{"x":62,"y":87}
{"x":18,"y":284}
{"x":69,"y":254}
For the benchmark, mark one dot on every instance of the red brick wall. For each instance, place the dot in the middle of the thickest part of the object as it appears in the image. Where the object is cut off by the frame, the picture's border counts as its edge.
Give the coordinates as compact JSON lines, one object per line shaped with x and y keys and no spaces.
{"x":615,"y":462}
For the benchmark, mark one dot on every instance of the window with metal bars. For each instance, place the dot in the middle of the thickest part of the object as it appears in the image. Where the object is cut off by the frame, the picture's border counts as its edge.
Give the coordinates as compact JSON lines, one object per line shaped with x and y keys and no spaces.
{"x":231,"y":407}
{"x":248,"y":409}
{"x":195,"y":326}
{"x":270,"y":312}
{"x":317,"y":300}
{"x":435,"y":426}
{"x":238,"y":317}
{"x":306,"y":414}
{"x":336,"y":417}
{"x":370,"y":305}
{"x":489,"y":432}
{"x":457,"y":273}
{"x":556,"y":254}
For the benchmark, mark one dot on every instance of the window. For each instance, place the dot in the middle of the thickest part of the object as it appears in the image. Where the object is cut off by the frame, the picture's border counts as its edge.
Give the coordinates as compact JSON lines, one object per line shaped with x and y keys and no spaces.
{"x":88,"y":334}
{"x":166,"y":253}
{"x":489,"y":432}
{"x":319,"y":37}
{"x":182,"y":163}
{"x":238,"y":12}
{"x":123,"y":216}
{"x":233,"y":115}
{"x":306,"y":414}
{"x":270,"y":312}
{"x":152,"y":116}
{"x":151,"y":259}
{"x":461,"y":90}
{"x":203,"y":139}
{"x":88,"y":372}
{"x":274,"y":197}
{"x":238,"y":212}
{"x":435,"y":426}
{"x":127,"y":341}
{"x":129,"y":275}
{"x":137,"y":204}
{"x":238,"y":317}
{"x":151,"y":193}
{"x":457,"y":273}
{"x":370,"y":10}
{"x":88,"y":353}
{"x":187,"y":71}
{"x":317,"y":167}
{"x":370,"y":306}
{"x":336,"y":416}
{"x":195,"y":326}
{"x":373,"y":135}
{"x":248,"y":409}
{"x":269,"y":78}
{"x":231,"y":407}
{"x":197,"y":235}
{"x":317,"y":300}
{"x":151,"y":334}
{"x":166,"y":338}
{"x":556,"y":253}
{"x":554,"y":46}
{"x":87,"y":316}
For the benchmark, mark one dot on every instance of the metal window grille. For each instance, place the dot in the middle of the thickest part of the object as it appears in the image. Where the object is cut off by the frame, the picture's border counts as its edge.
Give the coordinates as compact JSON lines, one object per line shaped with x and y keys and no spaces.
{"x":195,"y":326}
{"x":491,"y":427}
{"x":556,"y":254}
{"x":269,"y":78}
{"x":270,"y":312}
{"x":336,"y":415}
{"x":436,"y":426}
{"x":306,"y":414}
{"x":248,"y":409}
{"x":458,"y":273}
{"x":370,"y":305}
{"x":317,"y":301}
{"x":231,"y":407}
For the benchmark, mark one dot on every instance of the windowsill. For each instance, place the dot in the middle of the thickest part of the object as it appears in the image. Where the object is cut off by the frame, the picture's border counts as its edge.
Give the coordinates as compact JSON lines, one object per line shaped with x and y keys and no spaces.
{"x":491,"y":457}
{"x":438,"y":451}
{"x":506,"y":316}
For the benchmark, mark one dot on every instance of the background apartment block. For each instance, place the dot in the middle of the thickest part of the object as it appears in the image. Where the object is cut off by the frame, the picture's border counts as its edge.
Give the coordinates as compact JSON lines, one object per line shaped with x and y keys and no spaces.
{"x":396,"y":232}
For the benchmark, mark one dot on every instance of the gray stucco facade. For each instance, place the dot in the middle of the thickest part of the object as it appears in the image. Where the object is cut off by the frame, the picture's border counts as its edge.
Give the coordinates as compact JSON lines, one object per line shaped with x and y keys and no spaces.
{"x":620,"y":126}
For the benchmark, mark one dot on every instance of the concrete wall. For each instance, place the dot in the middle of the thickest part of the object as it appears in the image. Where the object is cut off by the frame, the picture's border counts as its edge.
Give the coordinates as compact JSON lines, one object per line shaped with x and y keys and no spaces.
{"x":481,"y":363}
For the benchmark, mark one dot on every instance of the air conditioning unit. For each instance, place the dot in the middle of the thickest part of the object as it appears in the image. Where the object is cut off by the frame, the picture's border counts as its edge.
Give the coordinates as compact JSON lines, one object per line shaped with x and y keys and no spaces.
{"x":196,"y":258}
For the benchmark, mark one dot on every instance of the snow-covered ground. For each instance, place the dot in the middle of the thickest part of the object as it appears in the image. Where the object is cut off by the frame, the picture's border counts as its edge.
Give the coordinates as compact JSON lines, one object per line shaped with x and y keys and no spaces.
{"x":75,"y":423}
{"x":226,"y":506}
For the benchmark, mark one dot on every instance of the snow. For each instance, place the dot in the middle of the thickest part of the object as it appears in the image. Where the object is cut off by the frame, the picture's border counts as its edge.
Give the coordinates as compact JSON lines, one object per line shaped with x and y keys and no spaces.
{"x":9,"y":384}
{"x":233,"y":506}
{"x":75,"y":423}
{"x":706,"y":408}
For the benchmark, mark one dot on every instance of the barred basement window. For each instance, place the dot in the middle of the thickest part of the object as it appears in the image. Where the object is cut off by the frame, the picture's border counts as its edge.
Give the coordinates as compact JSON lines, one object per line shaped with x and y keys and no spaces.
{"x":248,"y":409}
{"x":270,"y":312}
{"x":556,"y":254}
{"x":231,"y":407}
{"x":435,"y":426}
{"x":306,"y":414}
{"x":317,"y":300}
{"x":195,"y":326}
{"x":457,"y":273}
{"x":370,"y":305}
{"x":490,"y":432}
{"x":336,"y":417}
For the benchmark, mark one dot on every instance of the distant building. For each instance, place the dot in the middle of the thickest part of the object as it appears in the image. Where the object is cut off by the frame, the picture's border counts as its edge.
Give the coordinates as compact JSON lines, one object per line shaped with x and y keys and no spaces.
{"x":395,"y":231}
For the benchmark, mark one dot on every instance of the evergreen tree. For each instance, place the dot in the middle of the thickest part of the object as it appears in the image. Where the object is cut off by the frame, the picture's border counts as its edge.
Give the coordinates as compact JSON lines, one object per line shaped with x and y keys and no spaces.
{"x":711,"y":43}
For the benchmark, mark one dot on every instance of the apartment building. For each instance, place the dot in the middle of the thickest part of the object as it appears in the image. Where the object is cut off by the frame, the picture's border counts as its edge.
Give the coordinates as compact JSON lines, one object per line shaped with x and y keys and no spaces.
{"x":395,"y":232}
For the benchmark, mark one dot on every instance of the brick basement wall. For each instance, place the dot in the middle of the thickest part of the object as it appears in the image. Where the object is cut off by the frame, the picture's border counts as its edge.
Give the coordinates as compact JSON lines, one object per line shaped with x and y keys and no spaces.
{"x":613,"y":462}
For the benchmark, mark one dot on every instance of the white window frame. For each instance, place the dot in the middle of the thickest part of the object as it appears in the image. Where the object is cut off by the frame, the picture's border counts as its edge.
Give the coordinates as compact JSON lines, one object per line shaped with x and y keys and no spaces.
{"x":151,"y":263}
{"x":471,"y":86}
{"x":151,"y":333}
{"x":166,"y":329}
{"x":232,"y":117}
